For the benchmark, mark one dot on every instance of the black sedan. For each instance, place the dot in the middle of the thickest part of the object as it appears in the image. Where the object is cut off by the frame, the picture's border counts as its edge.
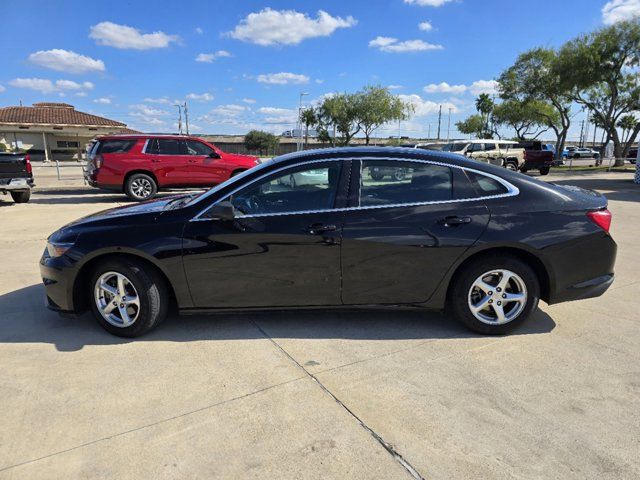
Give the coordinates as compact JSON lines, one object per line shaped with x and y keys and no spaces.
{"x":479,"y":241}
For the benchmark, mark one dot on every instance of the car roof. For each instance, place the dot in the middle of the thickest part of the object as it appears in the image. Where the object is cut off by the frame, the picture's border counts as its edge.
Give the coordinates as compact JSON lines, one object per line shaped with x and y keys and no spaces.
{"x":147,"y":135}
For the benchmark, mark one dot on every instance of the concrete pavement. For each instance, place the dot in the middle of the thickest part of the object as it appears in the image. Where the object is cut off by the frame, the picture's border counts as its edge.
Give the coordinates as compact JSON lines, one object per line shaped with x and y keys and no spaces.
{"x":365,"y":394}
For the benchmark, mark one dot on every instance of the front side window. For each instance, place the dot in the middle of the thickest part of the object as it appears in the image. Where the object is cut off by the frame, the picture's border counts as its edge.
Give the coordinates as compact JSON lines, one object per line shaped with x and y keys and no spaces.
{"x":300,"y":189}
{"x":198,"y":148}
{"x":395,"y":183}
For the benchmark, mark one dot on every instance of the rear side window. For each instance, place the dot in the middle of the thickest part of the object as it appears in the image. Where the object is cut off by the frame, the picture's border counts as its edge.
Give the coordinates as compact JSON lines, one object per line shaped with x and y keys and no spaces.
{"x":486,"y":186}
{"x":395,"y":183}
{"x":115,"y":146}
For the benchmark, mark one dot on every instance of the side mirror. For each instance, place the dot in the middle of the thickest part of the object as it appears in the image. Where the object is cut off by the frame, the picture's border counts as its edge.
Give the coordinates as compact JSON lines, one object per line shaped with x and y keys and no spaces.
{"x":214,"y":154}
{"x":222,"y":211}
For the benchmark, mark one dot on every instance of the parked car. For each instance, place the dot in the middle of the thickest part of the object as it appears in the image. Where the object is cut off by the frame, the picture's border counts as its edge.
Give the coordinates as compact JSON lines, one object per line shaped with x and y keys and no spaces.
{"x":16,"y":176}
{"x":579,"y":152}
{"x":141,"y":165}
{"x":632,"y":156}
{"x":504,"y":153}
{"x":481,"y":242}
{"x":537,"y":156}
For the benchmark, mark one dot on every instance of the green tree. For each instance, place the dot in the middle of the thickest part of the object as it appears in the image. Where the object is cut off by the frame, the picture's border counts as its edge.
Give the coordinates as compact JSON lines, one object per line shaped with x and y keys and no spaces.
{"x":627,"y":124}
{"x":600,"y":70}
{"x":340,"y":112}
{"x":263,"y":142}
{"x":485,"y":106}
{"x":473,"y":125}
{"x":529,"y":118}
{"x":377,"y":106}
{"x":533,"y":77}
{"x":308,"y":118}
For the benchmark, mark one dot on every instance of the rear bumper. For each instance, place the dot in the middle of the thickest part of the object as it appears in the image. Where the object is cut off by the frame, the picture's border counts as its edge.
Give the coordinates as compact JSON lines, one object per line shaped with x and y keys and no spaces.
{"x":587,"y":289}
{"x":16,"y":184}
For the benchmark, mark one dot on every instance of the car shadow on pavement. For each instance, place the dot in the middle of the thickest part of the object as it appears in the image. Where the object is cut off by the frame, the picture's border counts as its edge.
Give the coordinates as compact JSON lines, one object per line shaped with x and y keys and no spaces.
{"x":25,"y":319}
{"x":86,"y":196}
{"x":618,"y":189}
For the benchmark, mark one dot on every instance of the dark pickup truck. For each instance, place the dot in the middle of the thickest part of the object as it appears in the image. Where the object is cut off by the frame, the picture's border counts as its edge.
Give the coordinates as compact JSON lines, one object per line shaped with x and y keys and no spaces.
{"x":16,"y":176}
{"x":537,"y":156}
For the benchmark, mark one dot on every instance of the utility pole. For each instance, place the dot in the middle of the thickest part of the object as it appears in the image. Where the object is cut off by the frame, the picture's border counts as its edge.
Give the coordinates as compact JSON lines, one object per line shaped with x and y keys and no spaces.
{"x":439,"y":120}
{"x":299,"y":140}
{"x":581,"y":134}
{"x":179,"y":117}
{"x":449,"y":125}
{"x":186,"y":117}
{"x":586,"y":128}
{"x":429,"y":132}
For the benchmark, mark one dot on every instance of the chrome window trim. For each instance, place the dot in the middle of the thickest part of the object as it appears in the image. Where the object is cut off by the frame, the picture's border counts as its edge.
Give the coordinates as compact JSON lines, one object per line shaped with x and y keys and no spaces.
{"x":512,"y":190}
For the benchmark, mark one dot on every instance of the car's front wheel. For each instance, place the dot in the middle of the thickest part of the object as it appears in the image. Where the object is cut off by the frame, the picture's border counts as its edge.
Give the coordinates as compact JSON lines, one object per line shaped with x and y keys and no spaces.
{"x":127,"y":299}
{"x":140,"y":186}
{"x":493,"y":295}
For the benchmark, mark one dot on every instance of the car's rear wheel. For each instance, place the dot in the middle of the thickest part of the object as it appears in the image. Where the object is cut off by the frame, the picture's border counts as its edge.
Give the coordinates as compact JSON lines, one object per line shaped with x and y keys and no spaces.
{"x":376,"y":176}
{"x":127,"y":299}
{"x":22,"y":196}
{"x":140,"y":186}
{"x":545,"y":170}
{"x":493,"y":295}
{"x":511,"y":165}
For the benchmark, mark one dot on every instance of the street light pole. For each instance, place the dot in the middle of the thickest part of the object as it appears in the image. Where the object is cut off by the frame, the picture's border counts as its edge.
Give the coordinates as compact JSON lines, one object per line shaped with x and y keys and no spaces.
{"x":439,"y":120}
{"x":179,"y":117}
{"x":449,"y":125}
{"x":186,"y":117}
{"x":299,"y":141}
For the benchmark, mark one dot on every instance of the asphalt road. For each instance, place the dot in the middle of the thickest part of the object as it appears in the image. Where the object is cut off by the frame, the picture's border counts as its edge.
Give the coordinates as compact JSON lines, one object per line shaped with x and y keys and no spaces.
{"x":366,"y":394}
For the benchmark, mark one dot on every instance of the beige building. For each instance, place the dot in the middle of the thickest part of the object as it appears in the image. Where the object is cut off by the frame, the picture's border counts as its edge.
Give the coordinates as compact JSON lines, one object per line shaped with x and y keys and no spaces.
{"x":53,"y":131}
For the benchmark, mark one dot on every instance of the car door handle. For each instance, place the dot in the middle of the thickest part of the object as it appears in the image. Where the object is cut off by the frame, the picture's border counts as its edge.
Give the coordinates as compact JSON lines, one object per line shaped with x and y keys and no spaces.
{"x":454,"y":221}
{"x":317,"y":228}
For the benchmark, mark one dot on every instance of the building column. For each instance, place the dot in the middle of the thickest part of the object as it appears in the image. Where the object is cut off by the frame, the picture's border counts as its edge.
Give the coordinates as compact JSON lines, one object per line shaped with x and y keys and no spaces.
{"x":46,"y":148}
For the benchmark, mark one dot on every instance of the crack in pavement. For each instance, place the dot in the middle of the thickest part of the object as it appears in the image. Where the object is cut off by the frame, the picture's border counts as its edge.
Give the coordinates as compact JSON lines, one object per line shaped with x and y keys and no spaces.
{"x":159,"y":422}
{"x":387,"y":446}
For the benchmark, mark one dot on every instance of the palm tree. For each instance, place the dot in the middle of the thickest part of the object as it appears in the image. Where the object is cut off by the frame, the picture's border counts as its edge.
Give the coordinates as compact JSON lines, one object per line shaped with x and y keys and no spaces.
{"x":484,"y":106}
{"x":308,"y":118}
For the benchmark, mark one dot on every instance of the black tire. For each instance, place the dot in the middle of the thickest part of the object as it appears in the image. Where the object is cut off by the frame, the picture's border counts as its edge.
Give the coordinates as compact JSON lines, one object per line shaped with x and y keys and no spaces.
{"x":376,"y":176}
{"x":511,"y":165}
{"x":596,"y":156}
{"x":21,"y":196}
{"x":399,"y":174}
{"x":151,"y":290}
{"x":545,"y":170}
{"x":459,"y":292}
{"x":140,"y":187}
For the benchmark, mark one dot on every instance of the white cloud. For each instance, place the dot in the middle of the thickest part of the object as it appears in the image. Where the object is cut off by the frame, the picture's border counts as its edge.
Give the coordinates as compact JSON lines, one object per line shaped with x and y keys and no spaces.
{"x":200,"y":97}
{"x":231,"y":110}
{"x":102,"y":101}
{"x":66,"y":61}
{"x":444,"y":87}
{"x":618,"y":10}
{"x":390,"y":44}
{"x":161,"y":100}
{"x":283,"y":78}
{"x":141,"y":109}
{"x":43,"y":85}
{"x":276,"y":111}
{"x":395,"y":87}
{"x":484,"y":86}
{"x":125,"y":37}
{"x":287,"y":27}
{"x":427,"y":107}
{"x":427,"y":3}
{"x":81,"y":94}
{"x":250,"y":101}
{"x":425,"y":26}
{"x":2,"y":89}
{"x":278,"y":116}
{"x":210,"y":57}
{"x":199,"y":31}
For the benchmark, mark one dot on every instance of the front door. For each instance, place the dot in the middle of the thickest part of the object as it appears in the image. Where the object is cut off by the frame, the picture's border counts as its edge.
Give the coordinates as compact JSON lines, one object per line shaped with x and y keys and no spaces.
{"x":281,"y":249}
{"x":206,"y":169}
{"x":402,"y":236}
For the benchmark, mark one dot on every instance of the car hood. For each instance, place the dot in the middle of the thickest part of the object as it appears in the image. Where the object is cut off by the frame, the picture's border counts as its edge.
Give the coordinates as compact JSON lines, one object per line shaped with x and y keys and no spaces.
{"x":239,"y":158}
{"x":150,"y":206}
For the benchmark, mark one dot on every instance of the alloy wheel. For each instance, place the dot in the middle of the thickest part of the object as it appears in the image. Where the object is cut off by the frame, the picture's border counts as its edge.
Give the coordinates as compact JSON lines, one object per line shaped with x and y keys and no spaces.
{"x":141,"y":187}
{"x":497,"y":297}
{"x":117,"y":299}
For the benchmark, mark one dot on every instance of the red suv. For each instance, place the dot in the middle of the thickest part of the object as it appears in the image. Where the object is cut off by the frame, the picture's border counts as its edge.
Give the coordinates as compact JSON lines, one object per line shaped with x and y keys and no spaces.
{"x":141,"y":165}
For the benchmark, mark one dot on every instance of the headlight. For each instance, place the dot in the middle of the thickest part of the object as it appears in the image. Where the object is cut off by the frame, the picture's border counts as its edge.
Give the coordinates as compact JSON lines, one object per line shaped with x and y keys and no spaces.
{"x":57,"y":249}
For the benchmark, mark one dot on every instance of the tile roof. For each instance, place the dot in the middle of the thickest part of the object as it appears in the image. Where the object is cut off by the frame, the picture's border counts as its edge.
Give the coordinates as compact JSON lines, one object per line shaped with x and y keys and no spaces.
{"x":46,"y":113}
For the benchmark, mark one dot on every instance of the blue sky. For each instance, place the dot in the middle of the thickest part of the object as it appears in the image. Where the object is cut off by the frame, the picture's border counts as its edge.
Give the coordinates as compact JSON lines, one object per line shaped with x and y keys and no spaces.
{"x":132,"y":60}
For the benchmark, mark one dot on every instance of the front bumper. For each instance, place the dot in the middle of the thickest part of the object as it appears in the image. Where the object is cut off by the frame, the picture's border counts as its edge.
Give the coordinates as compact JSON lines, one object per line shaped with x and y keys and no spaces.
{"x":58,"y":276}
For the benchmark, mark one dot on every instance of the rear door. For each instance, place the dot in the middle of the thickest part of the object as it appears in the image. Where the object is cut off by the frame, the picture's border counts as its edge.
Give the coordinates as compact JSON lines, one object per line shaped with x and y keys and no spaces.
{"x":172,"y":159}
{"x":401,"y":237}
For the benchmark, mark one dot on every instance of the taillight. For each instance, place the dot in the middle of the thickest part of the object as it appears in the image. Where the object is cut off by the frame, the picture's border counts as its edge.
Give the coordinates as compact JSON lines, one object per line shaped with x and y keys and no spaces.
{"x":97,"y":160}
{"x":27,"y":162}
{"x":602,"y":218}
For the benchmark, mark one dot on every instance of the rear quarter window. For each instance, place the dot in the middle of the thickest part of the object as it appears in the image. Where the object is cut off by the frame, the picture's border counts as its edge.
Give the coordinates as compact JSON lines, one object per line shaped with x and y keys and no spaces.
{"x":486,"y":186}
{"x":115,"y":146}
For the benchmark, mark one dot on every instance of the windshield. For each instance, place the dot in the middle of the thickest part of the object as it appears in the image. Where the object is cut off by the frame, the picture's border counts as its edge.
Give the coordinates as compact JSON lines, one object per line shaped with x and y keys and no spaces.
{"x":454,"y":147}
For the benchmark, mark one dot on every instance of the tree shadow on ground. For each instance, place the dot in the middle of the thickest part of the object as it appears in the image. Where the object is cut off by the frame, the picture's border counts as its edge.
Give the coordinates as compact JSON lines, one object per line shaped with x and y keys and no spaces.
{"x":25,"y":319}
